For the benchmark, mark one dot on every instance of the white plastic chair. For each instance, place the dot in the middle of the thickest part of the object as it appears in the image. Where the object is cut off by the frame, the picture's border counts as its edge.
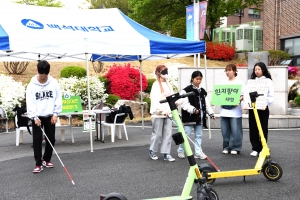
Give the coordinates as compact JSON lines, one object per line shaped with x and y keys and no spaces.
{"x":19,"y":132}
{"x":3,"y":117}
{"x":113,"y":127}
{"x":100,"y":118}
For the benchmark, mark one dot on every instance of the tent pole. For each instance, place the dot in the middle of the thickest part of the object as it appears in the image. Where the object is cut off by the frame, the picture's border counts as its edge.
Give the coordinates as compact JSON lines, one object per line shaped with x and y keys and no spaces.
{"x":89,"y":99}
{"x":141,"y":84}
{"x":209,"y":130}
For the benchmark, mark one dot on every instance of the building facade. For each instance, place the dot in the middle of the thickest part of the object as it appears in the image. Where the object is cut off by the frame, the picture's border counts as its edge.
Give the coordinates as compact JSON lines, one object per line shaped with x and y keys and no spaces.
{"x":244,"y":16}
{"x":280,"y":20}
{"x":281,"y":27}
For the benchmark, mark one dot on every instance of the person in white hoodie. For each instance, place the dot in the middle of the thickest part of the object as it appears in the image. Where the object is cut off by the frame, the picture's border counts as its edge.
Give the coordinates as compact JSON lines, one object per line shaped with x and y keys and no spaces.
{"x":161,"y":124}
{"x":44,"y":103}
{"x":260,"y":72}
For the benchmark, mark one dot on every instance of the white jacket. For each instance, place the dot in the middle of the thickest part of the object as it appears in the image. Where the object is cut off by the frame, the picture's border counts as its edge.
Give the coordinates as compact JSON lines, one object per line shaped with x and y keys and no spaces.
{"x":158,"y":110}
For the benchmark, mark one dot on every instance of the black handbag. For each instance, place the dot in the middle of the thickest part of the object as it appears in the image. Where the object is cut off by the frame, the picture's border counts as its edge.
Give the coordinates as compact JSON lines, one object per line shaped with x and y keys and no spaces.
{"x":228,"y":107}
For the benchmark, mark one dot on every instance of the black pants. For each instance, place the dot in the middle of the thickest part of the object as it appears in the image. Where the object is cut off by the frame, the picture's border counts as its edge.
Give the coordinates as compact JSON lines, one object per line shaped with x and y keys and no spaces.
{"x":38,"y":139}
{"x":253,"y":130}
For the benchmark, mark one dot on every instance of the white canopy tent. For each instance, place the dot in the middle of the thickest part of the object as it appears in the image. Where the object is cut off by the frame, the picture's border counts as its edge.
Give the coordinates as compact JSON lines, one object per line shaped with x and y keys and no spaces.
{"x":58,"y":34}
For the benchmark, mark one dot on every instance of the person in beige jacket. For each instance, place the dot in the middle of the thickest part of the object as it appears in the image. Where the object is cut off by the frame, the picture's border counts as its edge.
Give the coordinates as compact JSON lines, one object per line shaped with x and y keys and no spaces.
{"x":161,"y":124}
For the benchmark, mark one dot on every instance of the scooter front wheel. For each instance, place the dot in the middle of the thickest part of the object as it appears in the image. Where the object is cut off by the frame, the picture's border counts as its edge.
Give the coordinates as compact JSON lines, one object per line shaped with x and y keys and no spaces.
{"x":273,"y":172}
{"x":205,"y":196}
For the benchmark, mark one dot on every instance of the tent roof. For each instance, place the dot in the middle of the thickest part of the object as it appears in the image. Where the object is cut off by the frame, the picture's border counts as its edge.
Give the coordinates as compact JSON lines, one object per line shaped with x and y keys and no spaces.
{"x":34,"y":33}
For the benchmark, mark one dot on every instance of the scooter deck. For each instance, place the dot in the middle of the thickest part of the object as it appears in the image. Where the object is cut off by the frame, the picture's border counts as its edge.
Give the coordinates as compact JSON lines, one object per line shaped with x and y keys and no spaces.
{"x":172,"y":198}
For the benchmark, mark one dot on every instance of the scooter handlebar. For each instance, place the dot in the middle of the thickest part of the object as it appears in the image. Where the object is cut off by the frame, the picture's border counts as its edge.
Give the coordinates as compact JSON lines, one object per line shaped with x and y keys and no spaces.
{"x":163,"y":101}
{"x":180,"y":96}
{"x":187,"y":94}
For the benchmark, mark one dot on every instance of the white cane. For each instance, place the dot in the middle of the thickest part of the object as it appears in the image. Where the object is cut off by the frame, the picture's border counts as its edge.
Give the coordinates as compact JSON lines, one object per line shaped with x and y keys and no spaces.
{"x":58,"y":158}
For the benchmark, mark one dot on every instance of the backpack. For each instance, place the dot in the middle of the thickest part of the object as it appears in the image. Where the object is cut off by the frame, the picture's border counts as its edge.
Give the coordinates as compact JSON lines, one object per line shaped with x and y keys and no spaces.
{"x":22,"y":121}
{"x":110,"y":117}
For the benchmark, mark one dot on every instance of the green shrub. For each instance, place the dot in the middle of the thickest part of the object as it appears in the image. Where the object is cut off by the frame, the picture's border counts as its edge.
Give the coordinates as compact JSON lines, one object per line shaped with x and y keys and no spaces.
{"x":112,"y":99}
{"x":297,"y":100}
{"x":179,"y":28}
{"x":276,"y":56}
{"x":150,"y":83}
{"x":148,"y":101}
{"x":69,"y":71}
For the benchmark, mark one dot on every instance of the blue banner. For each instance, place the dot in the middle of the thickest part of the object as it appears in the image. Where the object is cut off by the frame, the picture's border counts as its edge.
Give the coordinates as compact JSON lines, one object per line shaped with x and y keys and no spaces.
{"x":190,"y":22}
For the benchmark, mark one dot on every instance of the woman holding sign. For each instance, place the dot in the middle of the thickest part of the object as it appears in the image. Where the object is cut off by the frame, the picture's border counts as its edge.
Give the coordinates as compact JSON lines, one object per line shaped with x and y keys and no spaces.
{"x":260,"y":72}
{"x":231,"y":117}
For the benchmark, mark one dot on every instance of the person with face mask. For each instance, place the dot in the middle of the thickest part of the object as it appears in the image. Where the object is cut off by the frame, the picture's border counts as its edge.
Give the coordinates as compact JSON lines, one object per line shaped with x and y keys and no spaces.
{"x":161,"y":124}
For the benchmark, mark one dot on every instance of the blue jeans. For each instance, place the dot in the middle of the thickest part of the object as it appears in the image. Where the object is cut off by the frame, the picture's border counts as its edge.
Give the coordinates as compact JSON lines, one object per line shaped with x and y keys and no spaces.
{"x":232,"y":132}
{"x":198,"y":138}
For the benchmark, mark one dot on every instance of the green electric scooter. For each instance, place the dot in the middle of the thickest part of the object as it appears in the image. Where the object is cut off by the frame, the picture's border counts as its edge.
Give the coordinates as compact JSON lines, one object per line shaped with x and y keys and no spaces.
{"x":204,"y":190}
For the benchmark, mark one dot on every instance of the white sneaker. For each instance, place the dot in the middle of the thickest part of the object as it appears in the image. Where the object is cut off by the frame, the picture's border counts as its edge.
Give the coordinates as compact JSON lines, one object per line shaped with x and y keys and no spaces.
{"x":181,"y":155}
{"x":202,"y":156}
{"x":168,"y":157}
{"x":254,"y":153}
{"x":225,"y":151}
{"x":152,"y":155}
{"x":233,"y":152}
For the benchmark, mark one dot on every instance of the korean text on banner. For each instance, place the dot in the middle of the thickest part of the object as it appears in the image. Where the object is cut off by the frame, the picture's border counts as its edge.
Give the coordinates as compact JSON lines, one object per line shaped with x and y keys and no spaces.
{"x":226,"y":94}
{"x":71,"y":104}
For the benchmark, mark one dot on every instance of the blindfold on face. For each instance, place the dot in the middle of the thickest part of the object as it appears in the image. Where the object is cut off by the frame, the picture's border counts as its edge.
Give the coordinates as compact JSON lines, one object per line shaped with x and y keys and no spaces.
{"x":164,"y":72}
{"x":43,"y":71}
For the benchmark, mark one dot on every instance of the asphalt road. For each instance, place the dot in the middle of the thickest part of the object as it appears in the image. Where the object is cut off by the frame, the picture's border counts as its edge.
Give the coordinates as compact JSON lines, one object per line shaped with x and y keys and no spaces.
{"x":126,"y":168}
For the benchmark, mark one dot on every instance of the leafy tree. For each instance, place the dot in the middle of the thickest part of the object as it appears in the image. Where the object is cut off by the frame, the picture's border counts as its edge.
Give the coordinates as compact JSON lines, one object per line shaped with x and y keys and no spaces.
{"x":47,"y":3}
{"x":120,"y":4}
{"x":161,"y":15}
{"x":179,"y":28}
{"x":157,"y":14}
{"x":225,"y":8}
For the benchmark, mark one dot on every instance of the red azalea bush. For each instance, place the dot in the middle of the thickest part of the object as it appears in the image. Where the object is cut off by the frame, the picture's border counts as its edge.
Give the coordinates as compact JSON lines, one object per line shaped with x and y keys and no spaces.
{"x":293,"y":72}
{"x":242,"y":65}
{"x":219,"y":51}
{"x":124,"y":81}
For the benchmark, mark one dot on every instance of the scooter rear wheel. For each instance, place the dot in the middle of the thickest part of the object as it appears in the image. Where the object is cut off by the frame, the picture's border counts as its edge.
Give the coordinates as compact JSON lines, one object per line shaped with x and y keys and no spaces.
{"x":206,"y":167}
{"x":272,"y":173}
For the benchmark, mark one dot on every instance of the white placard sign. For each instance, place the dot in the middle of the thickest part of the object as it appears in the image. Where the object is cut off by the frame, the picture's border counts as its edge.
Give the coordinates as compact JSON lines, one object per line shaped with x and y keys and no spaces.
{"x":86,"y":121}
{"x":261,"y":87}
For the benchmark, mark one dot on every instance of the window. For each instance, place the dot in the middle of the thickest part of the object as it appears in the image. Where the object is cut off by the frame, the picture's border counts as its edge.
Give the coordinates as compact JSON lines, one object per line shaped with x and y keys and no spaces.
{"x":292,"y":46}
{"x":253,"y":13}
